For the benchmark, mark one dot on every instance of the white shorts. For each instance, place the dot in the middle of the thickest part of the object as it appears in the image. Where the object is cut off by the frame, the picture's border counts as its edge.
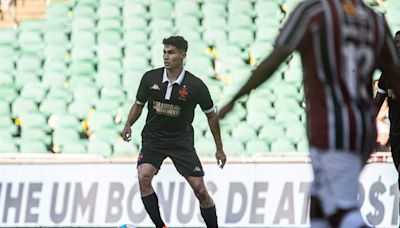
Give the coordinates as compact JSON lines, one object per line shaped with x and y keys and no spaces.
{"x":335,"y":181}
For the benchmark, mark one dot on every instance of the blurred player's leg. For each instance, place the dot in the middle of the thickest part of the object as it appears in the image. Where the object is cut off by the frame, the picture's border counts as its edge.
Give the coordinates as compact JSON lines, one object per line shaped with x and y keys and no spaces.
{"x":317,"y":219}
{"x":335,"y":186}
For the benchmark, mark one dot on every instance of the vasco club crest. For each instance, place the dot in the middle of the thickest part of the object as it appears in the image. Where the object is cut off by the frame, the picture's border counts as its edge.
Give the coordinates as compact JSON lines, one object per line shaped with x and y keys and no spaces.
{"x":183,"y":93}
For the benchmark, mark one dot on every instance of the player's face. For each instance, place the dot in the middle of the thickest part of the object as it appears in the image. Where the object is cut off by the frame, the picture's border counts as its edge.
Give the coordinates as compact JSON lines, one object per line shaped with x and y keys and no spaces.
{"x":173,"y":58}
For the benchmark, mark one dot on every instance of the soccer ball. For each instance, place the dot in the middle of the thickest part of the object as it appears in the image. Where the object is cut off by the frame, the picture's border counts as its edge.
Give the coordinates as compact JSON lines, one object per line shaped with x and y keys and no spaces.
{"x":127,"y":226}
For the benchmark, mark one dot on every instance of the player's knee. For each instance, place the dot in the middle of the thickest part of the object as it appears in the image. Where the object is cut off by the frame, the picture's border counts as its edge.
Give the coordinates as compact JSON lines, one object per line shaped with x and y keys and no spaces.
{"x":201,"y":193}
{"x":145,"y":179}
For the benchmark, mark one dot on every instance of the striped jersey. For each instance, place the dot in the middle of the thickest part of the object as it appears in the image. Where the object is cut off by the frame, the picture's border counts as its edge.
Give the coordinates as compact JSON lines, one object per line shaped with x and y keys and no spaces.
{"x":341,"y":43}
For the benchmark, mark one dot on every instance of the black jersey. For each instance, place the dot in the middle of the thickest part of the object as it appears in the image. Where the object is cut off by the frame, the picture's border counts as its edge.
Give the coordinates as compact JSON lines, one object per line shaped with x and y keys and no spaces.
{"x":394,"y":105}
{"x":171,"y":107}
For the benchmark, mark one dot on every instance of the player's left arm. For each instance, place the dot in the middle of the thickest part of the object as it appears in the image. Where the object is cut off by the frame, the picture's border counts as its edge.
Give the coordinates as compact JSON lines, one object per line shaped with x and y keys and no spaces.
{"x":262,"y":73}
{"x":213,"y":123}
{"x":207,"y":105}
{"x":288,"y":40}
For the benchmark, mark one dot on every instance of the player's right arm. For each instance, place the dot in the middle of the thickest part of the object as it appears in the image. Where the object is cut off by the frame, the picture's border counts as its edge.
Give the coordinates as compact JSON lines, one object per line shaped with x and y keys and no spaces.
{"x":134,"y":114}
{"x":136,"y":109}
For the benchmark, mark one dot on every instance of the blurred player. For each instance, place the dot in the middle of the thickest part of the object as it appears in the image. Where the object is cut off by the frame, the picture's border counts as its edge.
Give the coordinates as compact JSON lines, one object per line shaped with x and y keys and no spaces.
{"x":172,"y":94}
{"x":385,"y":90}
{"x":341,"y":42}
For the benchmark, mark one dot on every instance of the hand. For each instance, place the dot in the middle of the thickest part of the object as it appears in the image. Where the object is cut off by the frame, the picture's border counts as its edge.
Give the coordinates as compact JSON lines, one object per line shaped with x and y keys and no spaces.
{"x":221,"y":158}
{"x":126,"y":133}
{"x":224,"y":110}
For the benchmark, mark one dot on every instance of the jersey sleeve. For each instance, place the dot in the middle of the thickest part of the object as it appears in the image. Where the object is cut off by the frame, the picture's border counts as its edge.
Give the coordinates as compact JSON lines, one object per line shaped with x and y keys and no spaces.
{"x":143,"y":91}
{"x":204,"y":98}
{"x":382,"y":87}
{"x":297,"y":25}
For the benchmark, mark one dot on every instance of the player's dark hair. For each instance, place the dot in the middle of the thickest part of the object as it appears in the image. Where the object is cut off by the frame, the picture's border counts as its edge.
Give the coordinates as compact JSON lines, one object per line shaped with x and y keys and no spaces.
{"x":397,"y":33}
{"x":177,"y":41}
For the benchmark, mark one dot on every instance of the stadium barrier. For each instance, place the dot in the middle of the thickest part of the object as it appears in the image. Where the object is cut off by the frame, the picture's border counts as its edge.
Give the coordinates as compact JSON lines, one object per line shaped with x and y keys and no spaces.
{"x":104,"y":194}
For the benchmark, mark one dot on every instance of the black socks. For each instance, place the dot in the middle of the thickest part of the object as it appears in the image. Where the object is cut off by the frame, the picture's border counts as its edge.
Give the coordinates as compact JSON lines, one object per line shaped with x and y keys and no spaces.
{"x":210,"y":216}
{"x":151,"y":205}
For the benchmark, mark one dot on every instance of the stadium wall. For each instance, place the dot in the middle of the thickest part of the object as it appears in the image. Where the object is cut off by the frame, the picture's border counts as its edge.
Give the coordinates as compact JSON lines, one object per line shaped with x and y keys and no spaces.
{"x":246,"y":195}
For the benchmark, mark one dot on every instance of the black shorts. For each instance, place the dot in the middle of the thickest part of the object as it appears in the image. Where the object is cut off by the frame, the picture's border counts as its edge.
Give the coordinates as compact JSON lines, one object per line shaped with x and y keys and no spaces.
{"x":186,"y":161}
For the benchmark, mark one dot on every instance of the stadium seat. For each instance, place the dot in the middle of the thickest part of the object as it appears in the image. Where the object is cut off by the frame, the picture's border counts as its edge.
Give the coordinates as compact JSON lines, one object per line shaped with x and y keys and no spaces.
{"x":8,"y":93}
{"x":205,"y":147}
{"x":30,"y":41}
{"x":124,"y":149}
{"x":100,"y":120}
{"x":109,"y":135}
{"x":160,"y":9}
{"x":84,"y":38}
{"x":234,"y":148}
{"x":62,"y":136}
{"x":35,"y":134}
{"x":22,"y":106}
{"x":98,"y":147}
{"x":34,"y":91}
{"x":80,"y":109}
{"x":32,"y":146}
{"x":271,"y":132}
{"x":7,"y":127}
{"x":8,"y":146}
{"x":243,"y":132}
{"x":108,"y":11}
{"x":282,"y":145}
{"x":29,"y":63}
{"x":51,"y":106}
{"x":78,"y":147}
{"x":64,"y":121}
{"x":256,"y":146}
{"x":83,"y":10}
{"x":56,"y":37}
{"x":8,"y":37}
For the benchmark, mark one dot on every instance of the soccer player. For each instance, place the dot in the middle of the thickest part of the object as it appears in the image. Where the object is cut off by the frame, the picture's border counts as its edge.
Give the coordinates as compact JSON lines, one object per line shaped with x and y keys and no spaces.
{"x":172,"y":93}
{"x":341,"y":42}
{"x":386,"y":91}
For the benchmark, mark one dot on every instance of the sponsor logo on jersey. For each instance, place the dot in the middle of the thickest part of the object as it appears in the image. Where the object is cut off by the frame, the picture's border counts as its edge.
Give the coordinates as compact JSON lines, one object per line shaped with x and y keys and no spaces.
{"x":166,"y":109}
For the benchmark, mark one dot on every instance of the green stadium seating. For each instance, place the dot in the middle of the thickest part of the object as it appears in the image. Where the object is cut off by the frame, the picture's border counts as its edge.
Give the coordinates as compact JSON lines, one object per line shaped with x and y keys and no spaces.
{"x":32,"y":146}
{"x":282,"y":144}
{"x":62,"y":136}
{"x":243,"y":132}
{"x":124,"y":149}
{"x":8,"y":37}
{"x":8,"y":93}
{"x":80,"y":109}
{"x":23,"y":105}
{"x":78,"y":147}
{"x":65,"y":121}
{"x":256,"y":146}
{"x":205,"y":147}
{"x":75,"y":74}
{"x":7,"y":146}
{"x":51,"y":106}
{"x":99,"y":147}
